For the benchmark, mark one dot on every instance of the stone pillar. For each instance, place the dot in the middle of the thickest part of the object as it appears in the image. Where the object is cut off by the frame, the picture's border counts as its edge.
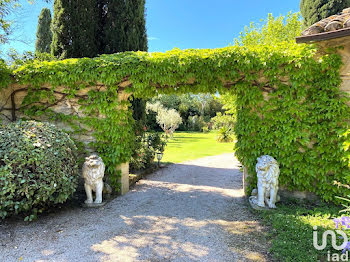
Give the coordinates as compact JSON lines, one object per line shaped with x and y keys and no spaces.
{"x":124,"y":179}
{"x":124,"y":167}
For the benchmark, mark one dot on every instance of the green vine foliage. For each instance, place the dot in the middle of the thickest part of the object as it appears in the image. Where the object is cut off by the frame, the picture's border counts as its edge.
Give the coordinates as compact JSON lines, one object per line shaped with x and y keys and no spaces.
{"x":288,"y":103}
{"x":5,"y":73}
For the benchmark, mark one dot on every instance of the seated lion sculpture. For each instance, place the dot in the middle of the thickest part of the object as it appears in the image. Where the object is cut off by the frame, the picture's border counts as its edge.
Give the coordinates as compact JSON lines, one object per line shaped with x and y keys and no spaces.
{"x":267,"y":172}
{"x":93,"y":173}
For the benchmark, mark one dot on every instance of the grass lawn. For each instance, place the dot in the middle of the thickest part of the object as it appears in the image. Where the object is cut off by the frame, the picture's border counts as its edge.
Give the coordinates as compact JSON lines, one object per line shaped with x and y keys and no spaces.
{"x":291,"y":230}
{"x":192,"y":145}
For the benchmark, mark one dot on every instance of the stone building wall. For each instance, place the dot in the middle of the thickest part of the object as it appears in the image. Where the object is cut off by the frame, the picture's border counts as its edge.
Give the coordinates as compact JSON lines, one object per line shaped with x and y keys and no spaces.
{"x":343,"y":48}
{"x":11,"y":104}
{"x":11,"y":100}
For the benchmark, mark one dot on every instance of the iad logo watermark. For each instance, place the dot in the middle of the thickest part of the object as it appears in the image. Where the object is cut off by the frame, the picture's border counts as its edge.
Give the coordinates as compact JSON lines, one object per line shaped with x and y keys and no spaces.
{"x":340,"y":223}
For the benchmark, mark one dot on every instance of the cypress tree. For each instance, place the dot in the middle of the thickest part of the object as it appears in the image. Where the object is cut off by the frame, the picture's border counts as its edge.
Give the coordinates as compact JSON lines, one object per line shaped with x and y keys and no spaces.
{"x":316,"y":10}
{"x":86,"y":21}
{"x":44,"y":33}
{"x":62,"y":34}
{"x":75,"y":26}
{"x":136,"y":40}
{"x":136,"y":26}
{"x":86,"y":28}
{"x":113,"y":28}
{"x":124,"y":27}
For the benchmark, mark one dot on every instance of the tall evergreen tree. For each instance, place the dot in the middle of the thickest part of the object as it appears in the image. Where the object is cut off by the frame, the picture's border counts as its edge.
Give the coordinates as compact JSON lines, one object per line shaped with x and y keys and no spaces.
{"x":86,"y":18}
{"x":61,"y":29}
{"x":86,"y":28}
{"x":44,"y":33}
{"x":124,"y":27}
{"x":113,"y":28}
{"x":136,"y":26}
{"x":135,"y":39}
{"x":316,"y":10}
{"x":75,"y":27}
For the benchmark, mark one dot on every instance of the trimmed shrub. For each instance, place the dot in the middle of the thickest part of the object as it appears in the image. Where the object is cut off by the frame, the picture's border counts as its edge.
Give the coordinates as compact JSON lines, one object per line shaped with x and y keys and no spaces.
{"x":38,"y":168}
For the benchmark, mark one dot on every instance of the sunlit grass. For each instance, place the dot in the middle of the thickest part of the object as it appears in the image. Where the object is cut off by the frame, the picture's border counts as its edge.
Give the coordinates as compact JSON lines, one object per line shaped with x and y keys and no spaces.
{"x":192,"y":145}
{"x":291,"y":230}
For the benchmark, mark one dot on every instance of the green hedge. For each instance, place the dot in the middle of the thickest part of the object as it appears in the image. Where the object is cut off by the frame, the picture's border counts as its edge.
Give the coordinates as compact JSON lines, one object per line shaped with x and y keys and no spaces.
{"x":300,"y":122}
{"x":38,"y":168}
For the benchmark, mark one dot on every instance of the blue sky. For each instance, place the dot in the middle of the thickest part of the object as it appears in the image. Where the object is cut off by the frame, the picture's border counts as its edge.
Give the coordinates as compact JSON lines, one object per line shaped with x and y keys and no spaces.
{"x":176,"y":23}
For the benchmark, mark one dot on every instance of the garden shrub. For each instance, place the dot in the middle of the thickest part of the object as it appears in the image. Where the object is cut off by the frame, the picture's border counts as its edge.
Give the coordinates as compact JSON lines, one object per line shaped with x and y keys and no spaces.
{"x":146,"y":148}
{"x":38,"y":167}
{"x":221,"y":120}
{"x":142,"y":158}
{"x":205,"y":129}
{"x":224,"y":135}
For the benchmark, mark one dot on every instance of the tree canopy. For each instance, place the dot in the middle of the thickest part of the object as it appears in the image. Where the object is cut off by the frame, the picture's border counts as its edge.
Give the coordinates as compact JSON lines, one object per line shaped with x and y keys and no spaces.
{"x":74,"y":27}
{"x":316,"y":10}
{"x":87,"y":28}
{"x":274,"y":30}
{"x":44,"y":33}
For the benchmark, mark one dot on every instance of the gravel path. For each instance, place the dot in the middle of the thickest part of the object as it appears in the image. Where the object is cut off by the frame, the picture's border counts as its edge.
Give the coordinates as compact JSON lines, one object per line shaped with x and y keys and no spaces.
{"x":193,"y":211}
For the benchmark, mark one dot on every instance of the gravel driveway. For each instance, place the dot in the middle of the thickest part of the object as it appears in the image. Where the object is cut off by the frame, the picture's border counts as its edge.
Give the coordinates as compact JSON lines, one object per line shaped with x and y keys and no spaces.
{"x":193,"y":211}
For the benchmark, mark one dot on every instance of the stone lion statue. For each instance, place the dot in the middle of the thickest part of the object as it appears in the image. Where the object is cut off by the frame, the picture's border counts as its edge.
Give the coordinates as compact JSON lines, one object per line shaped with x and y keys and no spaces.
{"x":267,"y":172}
{"x":93,"y":173}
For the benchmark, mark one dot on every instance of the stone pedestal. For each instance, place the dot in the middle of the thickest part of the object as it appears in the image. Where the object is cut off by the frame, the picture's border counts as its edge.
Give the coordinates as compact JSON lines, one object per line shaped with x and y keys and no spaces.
{"x":94,"y":205}
{"x":253,"y":201}
{"x":124,"y":180}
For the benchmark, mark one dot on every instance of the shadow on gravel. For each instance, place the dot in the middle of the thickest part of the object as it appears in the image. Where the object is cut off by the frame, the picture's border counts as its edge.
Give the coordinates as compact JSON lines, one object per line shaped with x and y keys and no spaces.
{"x":194,"y":220}
{"x":194,"y":214}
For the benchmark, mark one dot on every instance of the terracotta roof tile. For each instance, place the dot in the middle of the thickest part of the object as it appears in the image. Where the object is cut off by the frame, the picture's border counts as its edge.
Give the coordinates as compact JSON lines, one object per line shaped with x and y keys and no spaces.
{"x":330,"y":24}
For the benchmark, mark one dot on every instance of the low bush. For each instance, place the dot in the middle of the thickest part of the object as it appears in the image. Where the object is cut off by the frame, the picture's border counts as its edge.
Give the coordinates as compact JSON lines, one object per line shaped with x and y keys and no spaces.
{"x":156,"y":142}
{"x":38,"y":168}
{"x":221,"y":120}
{"x":143,"y":157}
{"x":224,"y":135}
{"x":148,"y":145}
{"x":205,"y":129}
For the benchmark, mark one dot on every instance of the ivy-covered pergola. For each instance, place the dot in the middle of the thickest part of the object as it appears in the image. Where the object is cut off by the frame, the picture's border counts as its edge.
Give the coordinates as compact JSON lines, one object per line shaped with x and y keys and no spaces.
{"x":289,"y":104}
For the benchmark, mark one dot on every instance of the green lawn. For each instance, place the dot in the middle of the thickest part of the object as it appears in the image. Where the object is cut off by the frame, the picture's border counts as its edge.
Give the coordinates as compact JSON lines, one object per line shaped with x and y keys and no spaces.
{"x":192,"y":145}
{"x":291,"y":230}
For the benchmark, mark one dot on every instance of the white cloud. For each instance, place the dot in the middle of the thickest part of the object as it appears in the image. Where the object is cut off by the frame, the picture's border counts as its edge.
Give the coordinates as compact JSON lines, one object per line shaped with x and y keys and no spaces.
{"x":150,"y":38}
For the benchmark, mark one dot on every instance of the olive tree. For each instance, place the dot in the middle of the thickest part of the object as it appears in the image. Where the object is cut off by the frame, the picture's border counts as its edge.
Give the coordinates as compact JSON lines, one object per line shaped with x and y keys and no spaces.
{"x":168,"y":119}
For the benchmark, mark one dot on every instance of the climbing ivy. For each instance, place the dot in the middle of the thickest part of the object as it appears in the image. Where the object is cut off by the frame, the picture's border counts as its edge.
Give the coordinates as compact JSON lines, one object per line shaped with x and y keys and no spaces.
{"x":4,"y":74}
{"x":288,"y":103}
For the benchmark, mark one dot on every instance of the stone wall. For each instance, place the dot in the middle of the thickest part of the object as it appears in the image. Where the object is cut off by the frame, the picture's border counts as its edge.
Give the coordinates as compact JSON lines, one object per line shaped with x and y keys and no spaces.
{"x":343,"y":48}
{"x":11,"y":106}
